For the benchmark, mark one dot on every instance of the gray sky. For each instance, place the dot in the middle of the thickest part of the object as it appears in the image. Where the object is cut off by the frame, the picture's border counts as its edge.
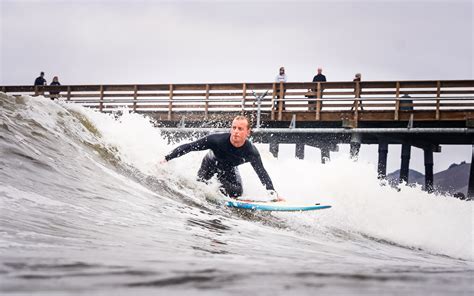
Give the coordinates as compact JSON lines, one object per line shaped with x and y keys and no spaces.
{"x":234,"y":41}
{"x":94,"y":42}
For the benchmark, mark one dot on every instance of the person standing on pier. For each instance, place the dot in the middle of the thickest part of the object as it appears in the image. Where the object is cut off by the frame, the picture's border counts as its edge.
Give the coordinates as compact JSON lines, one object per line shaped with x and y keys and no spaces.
{"x":39,"y":81}
{"x":317,"y":78}
{"x":227,"y":152}
{"x":281,"y":77}
{"x":54,"y":94}
{"x":320,"y":76}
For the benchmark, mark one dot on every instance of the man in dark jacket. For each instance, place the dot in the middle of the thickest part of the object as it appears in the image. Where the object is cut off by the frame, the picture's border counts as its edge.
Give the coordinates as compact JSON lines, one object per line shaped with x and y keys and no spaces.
{"x":320,"y":77}
{"x":227,"y":151}
{"x":317,"y":78}
{"x":40,"y":80}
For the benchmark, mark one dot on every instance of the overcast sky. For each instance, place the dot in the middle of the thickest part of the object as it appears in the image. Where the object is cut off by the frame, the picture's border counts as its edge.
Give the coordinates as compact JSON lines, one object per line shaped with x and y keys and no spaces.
{"x":98,"y":42}
{"x":234,"y":41}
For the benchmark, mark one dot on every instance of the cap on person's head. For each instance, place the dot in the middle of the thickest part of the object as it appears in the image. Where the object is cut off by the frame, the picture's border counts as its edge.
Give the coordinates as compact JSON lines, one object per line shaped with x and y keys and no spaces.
{"x":358,"y":75}
{"x":42,"y":73}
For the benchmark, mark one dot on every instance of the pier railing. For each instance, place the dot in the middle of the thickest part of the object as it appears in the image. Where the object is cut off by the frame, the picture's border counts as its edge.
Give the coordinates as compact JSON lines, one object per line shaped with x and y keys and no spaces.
{"x":366,"y":100}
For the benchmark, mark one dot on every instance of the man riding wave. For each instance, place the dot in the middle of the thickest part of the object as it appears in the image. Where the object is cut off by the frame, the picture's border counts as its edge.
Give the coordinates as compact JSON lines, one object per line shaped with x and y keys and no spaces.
{"x":227,"y":152}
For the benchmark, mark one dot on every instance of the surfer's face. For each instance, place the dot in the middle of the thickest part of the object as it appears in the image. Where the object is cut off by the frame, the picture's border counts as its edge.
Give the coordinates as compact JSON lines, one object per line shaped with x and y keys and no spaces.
{"x":239,"y":132}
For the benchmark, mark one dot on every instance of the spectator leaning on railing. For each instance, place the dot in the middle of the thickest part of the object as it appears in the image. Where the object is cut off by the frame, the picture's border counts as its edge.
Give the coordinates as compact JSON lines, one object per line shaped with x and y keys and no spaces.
{"x":54,"y":94}
{"x":357,"y":78}
{"x":317,"y":78}
{"x":281,"y":77}
{"x":40,"y":81}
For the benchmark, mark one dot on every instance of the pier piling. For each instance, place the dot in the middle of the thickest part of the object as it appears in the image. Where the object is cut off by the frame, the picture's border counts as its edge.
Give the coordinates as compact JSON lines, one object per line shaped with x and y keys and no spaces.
{"x":299,"y":150}
{"x":428,"y":151}
{"x":274,"y":148}
{"x":405,"y":164}
{"x":382,"y":163}
{"x":470,"y":187}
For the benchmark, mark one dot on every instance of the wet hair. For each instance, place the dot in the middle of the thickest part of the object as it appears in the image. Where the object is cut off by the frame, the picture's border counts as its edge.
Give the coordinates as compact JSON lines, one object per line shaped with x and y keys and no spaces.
{"x":241,"y":117}
{"x":42,"y":73}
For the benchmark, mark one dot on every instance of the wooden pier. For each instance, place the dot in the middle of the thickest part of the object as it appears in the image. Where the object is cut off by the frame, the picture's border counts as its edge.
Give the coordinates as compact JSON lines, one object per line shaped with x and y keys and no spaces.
{"x":423,"y":114}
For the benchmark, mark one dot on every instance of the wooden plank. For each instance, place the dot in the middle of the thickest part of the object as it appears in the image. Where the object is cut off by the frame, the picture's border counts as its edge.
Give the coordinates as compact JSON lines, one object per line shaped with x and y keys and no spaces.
{"x":206,"y":111}
{"x":153,"y":94}
{"x":397,"y":102}
{"x":229,"y":94}
{"x":68,"y":98}
{"x":318,"y":102}
{"x":457,"y":92}
{"x":456,"y":104}
{"x":280,"y":101}
{"x":244,"y":91}
{"x":372,"y":93}
{"x":407,"y":91}
{"x":170,"y":105}
{"x":194,"y":94}
{"x":272,"y":115}
{"x":87,"y":88}
{"x":438,"y":94}
{"x":153,"y":87}
{"x":377,"y":84}
{"x":223,"y":86}
{"x":327,"y":85}
{"x":149,"y":106}
{"x":101,"y":104}
{"x":178,"y":87}
{"x":116,"y":95}
{"x":19,"y":88}
{"x":259,"y":86}
{"x":202,"y":107}
{"x":82,"y":95}
{"x":417,"y":84}
{"x":135,"y":97}
{"x":457,"y":83}
{"x":356,"y":101}
{"x":119,"y":87}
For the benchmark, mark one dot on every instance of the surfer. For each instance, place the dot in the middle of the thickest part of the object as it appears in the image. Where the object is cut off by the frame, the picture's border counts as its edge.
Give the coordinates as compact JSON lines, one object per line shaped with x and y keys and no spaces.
{"x":227,"y":151}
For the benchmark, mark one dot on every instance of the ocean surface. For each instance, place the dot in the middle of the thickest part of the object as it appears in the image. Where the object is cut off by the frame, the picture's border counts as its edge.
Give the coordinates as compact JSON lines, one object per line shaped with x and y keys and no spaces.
{"x":86,"y":209}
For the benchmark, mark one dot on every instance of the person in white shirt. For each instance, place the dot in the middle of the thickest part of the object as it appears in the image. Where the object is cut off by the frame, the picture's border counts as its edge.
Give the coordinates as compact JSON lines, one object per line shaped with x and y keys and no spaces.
{"x":281,"y":77}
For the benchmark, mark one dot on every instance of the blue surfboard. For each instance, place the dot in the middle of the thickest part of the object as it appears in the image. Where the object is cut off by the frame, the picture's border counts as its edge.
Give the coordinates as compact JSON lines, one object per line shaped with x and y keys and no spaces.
{"x":274,"y":206}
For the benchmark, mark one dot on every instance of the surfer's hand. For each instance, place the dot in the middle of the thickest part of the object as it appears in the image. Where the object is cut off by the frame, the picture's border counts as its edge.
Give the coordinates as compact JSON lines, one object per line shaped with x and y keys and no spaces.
{"x":281,"y":198}
{"x":163,"y":161}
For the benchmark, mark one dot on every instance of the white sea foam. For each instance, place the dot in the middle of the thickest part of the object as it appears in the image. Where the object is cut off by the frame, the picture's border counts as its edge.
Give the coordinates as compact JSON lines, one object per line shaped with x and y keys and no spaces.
{"x":361,"y":204}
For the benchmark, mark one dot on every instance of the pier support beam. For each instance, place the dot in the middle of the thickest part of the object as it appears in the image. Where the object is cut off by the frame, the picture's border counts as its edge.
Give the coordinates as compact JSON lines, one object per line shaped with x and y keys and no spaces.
{"x":274,"y":148}
{"x":325,"y":155}
{"x":355,"y":146}
{"x":382,"y":164}
{"x":405,"y":165}
{"x":299,"y":151}
{"x":470,"y":187}
{"x":428,"y":169}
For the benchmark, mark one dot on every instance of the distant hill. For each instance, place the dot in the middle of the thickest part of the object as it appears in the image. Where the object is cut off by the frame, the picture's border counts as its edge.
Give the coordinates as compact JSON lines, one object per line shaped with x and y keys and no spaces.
{"x":454,"y":179}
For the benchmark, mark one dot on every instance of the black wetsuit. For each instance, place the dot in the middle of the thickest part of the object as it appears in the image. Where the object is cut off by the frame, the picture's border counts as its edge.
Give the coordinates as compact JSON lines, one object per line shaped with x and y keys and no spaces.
{"x":223,"y":160}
